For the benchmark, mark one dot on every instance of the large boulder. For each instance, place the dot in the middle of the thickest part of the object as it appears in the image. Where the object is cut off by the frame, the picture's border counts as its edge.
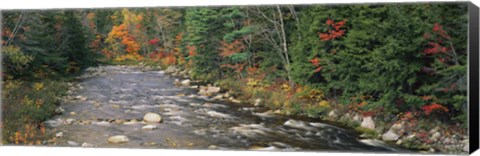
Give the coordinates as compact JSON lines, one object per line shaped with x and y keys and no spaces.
{"x":368,"y":123}
{"x":118,"y":139}
{"x":152,"y":117}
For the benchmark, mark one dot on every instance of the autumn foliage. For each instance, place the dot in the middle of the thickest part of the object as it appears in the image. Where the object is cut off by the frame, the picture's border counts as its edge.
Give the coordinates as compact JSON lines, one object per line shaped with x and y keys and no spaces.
{"x":334,"y":30}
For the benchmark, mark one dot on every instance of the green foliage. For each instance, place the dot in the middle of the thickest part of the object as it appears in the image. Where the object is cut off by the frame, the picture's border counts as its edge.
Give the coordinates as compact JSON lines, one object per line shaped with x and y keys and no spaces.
{"x":380,"y":54}
{"x":27,"y":103}
{"x":14,"y":60}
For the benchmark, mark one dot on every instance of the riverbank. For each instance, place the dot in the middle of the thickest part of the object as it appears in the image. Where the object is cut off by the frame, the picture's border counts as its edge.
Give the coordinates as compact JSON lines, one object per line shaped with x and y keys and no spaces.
{"x":25,"y":106}
{"x":419,"y":134}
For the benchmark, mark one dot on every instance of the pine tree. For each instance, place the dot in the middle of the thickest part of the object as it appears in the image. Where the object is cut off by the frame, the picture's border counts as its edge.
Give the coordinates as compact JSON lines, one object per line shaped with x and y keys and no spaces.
{"x":41,"y":44}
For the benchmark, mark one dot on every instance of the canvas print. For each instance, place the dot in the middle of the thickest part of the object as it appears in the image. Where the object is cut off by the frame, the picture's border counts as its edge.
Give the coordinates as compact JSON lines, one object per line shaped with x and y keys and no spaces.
{"x":386,"y":78}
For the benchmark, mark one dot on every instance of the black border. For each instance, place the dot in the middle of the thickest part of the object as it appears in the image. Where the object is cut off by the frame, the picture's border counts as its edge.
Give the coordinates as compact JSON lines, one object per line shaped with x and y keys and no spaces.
{"x":473,"y":77}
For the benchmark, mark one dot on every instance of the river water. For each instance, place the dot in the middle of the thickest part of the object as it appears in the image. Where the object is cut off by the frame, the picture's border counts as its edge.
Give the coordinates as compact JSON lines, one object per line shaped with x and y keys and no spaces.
{"x":105,"y":105}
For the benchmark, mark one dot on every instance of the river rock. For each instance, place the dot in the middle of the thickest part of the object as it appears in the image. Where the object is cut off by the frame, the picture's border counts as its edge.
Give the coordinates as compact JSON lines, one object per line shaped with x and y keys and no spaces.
{"x":59,"y":135}
{"x":258,"y":102}
{"x":218,"y":97}
{"x":226,"y":95}
{"x":208,"y":91}
{"x":397,"y":127}
{"x":390,"y":136}
{"x":185,"y":82}
{"x":152,"y":117}
{"x":59,"y":110}
{"x":212,"y":147}
{"x":170,"y":69}
{"x":69,"y":121}
{"x":333,"y":114}
{"x":149,"y":127}
{"x":118,"y":139}
{"x":72,"y":143}
{"x":466,"y":148}
{"x":447,"y":141}
{"x":368,"y":123}
{"x":234,"y":100}
{"x":81,"y":98}
{"x":435,"y":136}
{"x":85,"y":144}
{"x":357,"y":118}
{"x":399,"y":142}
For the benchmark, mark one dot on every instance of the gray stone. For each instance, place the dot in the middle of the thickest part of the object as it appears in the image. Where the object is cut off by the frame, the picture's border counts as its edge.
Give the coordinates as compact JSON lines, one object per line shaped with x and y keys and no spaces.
{"x":234,"y":100}
{"x":435,"y":136}
{"x":81,"y":98}
{"x":258,"y":102}
{"x":398,"y":126}
{"x":59,"y":110}
{"x":208,"y":91}
{"x":87,"y":145}
{"x":170,"y":69}
{"x":218,"y":97}
{"x":152,"y":117}
{"x":390,"y":136}
{"x":149,"y":127}
{"x":466,"y":148}
{"x":72,"y":143}
{"x":69,"y":121}
{"x":118,"y":139}
{"x":212,"y":147}
{"x":59,"y":135}
{"x":357,"y":118}
{"x":447,"y":141}
{"x":333,"y":114}
{"x":399,"y":142}
{"x":368,"y":123}
{"x":185,"y":82}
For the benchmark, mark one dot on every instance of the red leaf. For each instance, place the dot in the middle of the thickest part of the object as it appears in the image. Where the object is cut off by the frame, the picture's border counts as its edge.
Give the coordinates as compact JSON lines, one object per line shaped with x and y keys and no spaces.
{"x":329,"y":22}
{"x":315,"y":61}
{"x":338,"y":25}
{"x":324,"y":37}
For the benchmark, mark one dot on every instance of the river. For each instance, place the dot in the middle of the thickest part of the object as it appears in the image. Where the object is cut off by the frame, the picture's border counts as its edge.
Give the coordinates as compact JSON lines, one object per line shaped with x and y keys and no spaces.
{"x":115,"y":101}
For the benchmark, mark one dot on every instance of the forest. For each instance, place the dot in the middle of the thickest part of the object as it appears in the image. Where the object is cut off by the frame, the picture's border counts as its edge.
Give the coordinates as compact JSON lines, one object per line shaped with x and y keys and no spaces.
{"x":393,"y":62}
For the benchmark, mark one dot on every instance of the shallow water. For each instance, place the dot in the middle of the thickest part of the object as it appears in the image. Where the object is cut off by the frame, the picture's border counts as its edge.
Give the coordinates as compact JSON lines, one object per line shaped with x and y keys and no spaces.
{"x":189,"y":121}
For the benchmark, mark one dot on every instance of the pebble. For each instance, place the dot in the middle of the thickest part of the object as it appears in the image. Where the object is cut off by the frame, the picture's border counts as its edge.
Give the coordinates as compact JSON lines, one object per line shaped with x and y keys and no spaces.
{"x":72,"y":143}
{"x":212,"y":147}
{"x":118,"y":139}
{"x":59,"y":110}
{"x":69,"y":121}
{"x":149,"y":127}
{"x":87,"y":145}
{"x":59,"y":135}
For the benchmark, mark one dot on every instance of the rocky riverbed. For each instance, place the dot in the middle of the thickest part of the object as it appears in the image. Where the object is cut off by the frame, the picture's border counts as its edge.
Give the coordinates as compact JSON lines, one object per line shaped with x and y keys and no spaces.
{"x":136,"y":107}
